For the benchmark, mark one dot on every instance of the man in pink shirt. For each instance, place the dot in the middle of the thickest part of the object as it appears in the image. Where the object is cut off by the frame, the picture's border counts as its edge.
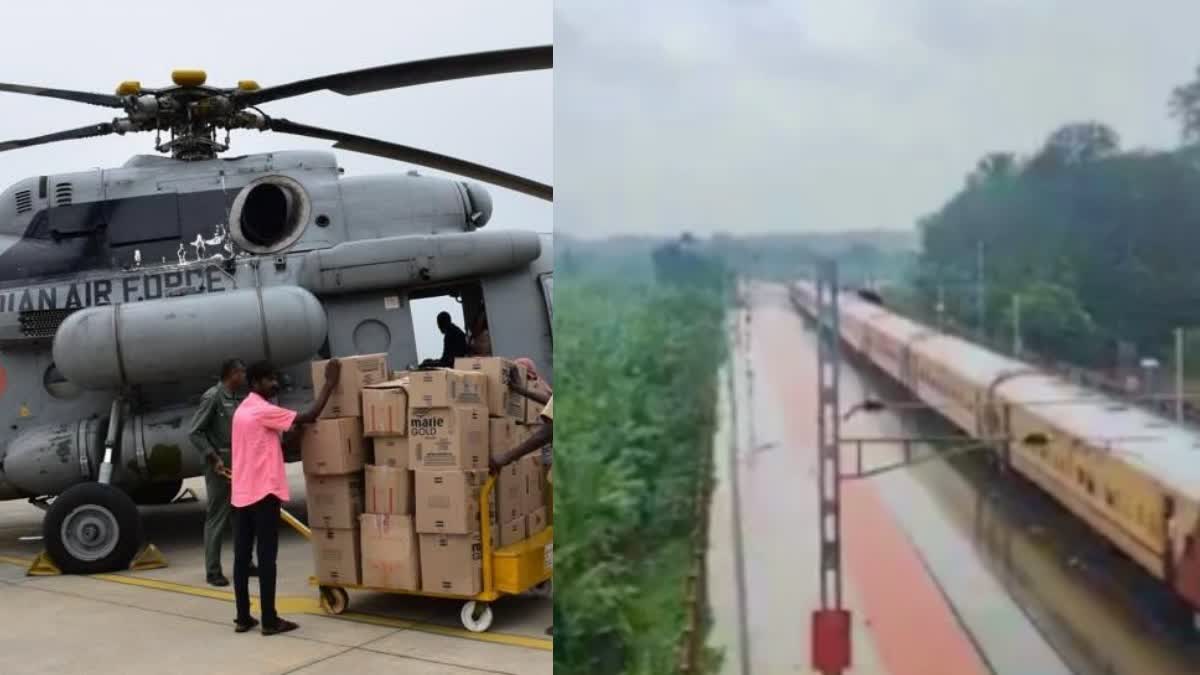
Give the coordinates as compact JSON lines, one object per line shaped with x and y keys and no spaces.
{"x":260,"y":487}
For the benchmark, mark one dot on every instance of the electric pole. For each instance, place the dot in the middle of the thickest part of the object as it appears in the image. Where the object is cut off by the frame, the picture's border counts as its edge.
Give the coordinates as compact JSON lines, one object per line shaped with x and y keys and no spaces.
{"x":979,"y":295}
{"x":1017,"y":343}
{"x":941,"y":307}
{"x":1179,"y":375}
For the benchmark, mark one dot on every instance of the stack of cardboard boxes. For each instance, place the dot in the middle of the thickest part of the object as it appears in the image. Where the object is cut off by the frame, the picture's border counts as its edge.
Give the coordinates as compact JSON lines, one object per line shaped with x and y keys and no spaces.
{"x":390,"y":556}
{"x":448,"y":437}
{"x":333,"y":451}
{"x":413,"y":521}
{"x":533,"y":419}
{"x":520,"y":486}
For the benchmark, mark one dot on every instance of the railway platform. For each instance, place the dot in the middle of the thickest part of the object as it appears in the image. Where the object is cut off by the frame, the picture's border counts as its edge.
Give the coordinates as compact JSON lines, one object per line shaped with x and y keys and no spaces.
{"x":921,"y":603}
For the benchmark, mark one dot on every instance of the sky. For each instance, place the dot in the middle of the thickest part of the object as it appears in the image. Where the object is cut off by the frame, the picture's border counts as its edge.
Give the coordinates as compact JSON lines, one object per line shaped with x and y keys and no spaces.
{"x":502,"y":121}
{"x":800,"y":115}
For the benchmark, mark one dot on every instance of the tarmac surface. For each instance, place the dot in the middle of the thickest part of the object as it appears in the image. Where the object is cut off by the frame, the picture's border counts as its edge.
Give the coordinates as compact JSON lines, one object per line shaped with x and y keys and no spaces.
{"x":922,"y":600}
{"x":169,"y":621}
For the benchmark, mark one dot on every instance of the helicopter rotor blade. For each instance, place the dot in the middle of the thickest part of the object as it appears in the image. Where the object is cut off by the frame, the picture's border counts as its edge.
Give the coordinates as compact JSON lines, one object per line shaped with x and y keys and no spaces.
{"x":410,"y":73}
{"x":105,"y":100}
{"x":404,"y":153}
{"x":102,"y":129}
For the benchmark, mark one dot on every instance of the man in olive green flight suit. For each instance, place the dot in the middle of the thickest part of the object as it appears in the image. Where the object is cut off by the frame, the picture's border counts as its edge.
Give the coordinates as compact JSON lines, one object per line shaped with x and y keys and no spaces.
{"x":211,"y":432}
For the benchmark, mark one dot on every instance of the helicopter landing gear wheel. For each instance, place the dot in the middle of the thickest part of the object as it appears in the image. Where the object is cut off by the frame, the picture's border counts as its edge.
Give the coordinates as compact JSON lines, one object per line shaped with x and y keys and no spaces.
{"x":92,"y":528}
{"x":334,"y":600}
{"x":476,"y":616}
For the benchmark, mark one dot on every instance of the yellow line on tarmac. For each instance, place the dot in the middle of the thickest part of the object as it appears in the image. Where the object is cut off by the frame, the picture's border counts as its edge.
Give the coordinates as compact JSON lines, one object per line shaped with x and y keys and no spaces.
{"x":498,"y":638}
{"x":311,"y":606}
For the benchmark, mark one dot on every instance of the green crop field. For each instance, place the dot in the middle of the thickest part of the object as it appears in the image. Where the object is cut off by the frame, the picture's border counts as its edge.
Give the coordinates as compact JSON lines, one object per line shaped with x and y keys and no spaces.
{"x":636,"y":368}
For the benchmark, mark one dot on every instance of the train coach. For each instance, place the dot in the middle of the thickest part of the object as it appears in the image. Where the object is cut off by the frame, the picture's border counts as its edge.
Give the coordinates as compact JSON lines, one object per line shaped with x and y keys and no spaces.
{"x":1131,"y":475}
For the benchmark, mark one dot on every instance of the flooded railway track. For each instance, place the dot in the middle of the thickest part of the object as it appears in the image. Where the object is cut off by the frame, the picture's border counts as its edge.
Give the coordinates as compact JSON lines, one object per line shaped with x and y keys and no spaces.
{"x":1096,"y":608}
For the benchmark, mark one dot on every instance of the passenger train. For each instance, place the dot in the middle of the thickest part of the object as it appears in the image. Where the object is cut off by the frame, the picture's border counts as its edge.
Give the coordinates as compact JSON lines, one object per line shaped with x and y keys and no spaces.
{"x":1132,"y":476}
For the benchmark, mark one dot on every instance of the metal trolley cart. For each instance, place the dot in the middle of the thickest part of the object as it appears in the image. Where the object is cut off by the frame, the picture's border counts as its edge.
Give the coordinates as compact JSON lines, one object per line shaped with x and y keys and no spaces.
{"x":512,"y":570}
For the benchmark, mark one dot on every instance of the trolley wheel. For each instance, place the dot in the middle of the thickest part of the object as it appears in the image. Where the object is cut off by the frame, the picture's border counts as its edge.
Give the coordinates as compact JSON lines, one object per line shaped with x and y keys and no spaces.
{"x":542,"y":590}
{"x":476,"y":616}
{"x":334,"y":600}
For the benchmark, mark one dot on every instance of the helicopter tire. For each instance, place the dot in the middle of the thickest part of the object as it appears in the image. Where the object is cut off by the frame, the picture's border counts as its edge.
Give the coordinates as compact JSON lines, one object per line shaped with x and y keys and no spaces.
{"x":92,"y":528}
{"x":156,"y":494}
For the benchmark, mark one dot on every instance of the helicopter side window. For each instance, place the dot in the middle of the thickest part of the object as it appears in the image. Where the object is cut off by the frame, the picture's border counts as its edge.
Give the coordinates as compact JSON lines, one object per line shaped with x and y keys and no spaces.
{"x":75,"y":220}
{"x":141,"y":220}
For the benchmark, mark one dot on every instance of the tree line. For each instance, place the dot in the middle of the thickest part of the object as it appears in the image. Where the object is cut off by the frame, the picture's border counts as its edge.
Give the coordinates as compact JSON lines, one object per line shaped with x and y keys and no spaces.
{"x":1092,"y":244}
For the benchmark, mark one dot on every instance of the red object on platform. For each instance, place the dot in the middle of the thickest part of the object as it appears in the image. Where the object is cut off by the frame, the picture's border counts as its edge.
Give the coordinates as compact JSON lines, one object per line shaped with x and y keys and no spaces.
{"x":831,"y":641}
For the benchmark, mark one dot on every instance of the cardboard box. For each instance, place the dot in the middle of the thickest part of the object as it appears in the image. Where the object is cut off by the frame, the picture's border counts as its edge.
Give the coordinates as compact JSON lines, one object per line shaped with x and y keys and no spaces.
{"x":444,"y":388}
{"x":502,"y":402}
{"x":385,"y":409}
{"x":522,"y":432}
{"x":451,"y":563}
{"x":448,"y":501}
{"x":389,"y":491}
{"x":502,"y":436}
{"x":334,"y":502}
{"x":532,"y":476}
{"x":390,"y":556}
{"x":535,"y":522}
{"x":448,"y":438}
{"x":391,"y":451}
{"x":533,"y":409}
{"x":510,"y":492}
{"x":357,"y":372}
{"x":333,"y":447}
{"x":512,"y":531}
{"x":336,"y":555}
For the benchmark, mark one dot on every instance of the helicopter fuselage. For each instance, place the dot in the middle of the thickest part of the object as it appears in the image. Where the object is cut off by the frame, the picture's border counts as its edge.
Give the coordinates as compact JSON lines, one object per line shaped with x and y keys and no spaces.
{"x":274,"y":256}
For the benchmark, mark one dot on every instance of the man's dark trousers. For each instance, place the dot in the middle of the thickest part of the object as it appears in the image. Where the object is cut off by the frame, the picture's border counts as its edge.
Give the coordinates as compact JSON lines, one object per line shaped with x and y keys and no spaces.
{"x":258,"y":522}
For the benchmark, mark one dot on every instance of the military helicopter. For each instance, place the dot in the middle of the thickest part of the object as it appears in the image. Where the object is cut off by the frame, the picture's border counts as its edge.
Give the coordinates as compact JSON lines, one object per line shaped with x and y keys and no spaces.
{"x":123,"y":289}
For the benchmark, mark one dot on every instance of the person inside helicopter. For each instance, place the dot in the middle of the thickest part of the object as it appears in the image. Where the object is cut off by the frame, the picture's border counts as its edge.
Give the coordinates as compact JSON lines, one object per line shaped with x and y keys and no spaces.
{"x":481,"y":338}
{"x":454,"y":343}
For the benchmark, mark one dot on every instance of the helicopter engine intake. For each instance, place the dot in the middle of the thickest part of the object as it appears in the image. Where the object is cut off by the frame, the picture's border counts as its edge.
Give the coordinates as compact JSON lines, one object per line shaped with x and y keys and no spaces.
{"x":269,"y":214}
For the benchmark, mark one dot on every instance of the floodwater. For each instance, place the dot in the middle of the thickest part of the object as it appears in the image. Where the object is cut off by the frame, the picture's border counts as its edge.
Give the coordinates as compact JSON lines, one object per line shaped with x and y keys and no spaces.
{"x":1030,"y":589}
